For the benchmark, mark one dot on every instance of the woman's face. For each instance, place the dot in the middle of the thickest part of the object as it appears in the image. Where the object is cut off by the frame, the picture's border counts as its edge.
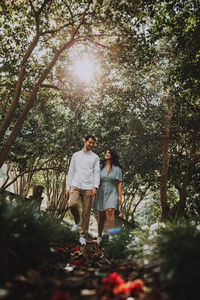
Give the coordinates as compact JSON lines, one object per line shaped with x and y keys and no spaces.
{"x":107,"y":155}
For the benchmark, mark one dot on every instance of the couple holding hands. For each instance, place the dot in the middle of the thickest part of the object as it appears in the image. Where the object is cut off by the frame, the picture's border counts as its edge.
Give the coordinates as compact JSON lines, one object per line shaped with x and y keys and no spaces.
{"x":87,"y":179}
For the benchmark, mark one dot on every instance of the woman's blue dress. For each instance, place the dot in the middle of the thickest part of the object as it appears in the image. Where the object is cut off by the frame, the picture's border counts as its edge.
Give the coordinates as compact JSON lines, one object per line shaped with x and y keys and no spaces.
{"x":107,"y":193}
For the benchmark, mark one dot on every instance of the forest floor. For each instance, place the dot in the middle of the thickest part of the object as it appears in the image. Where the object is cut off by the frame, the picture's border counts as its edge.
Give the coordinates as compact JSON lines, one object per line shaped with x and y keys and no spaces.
{"x":81,"y":278}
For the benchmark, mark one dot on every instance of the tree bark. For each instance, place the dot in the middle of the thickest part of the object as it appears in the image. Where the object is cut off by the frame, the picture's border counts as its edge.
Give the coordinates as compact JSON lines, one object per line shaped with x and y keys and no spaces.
{"x":8,"y":117}
{"x":165,"y":161}
{"x":186,"y":179}
{"x":18,"y":126}
{"x":134,"y":209}
{"x":15,"y":177}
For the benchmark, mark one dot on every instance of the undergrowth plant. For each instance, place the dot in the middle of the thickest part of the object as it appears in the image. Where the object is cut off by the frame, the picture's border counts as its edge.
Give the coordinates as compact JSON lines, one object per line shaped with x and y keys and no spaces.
{"x":28,"y":237}
{"x":171,"y":250}
{"x":178,"y":246}
{"x":117,"y":248}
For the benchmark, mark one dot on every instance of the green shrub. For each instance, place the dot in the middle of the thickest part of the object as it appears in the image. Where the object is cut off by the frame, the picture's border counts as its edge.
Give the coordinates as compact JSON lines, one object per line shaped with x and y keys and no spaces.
{"x":173,"y":249}
{"x":170,"y":254}
{"x":178,"y":247}
{"x":29,"y":237}
{"x":117,"y":248}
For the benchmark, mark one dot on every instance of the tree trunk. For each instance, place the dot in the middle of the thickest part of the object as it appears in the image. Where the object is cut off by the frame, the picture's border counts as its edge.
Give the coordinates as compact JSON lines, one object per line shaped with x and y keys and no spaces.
{"x":134,"y":209}
{"x":7,"y":119}
{"x":18,"y":126}
{"x":165,"y":161}
{"x":186,"y":179}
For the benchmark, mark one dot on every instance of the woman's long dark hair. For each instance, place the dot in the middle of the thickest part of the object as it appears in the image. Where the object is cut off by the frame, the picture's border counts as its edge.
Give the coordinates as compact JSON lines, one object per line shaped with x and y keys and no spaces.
{"x":114,"y":159}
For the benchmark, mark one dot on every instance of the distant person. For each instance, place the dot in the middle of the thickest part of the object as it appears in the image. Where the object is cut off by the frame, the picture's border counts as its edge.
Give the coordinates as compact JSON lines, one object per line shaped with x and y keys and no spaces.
{"x":36,"y":197}
{"x":82,"y":182}
{"x":109,"y":195}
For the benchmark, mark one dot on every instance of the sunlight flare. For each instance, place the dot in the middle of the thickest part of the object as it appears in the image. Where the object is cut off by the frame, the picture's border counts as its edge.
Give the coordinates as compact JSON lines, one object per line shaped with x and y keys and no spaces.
{"x":84,"y":69}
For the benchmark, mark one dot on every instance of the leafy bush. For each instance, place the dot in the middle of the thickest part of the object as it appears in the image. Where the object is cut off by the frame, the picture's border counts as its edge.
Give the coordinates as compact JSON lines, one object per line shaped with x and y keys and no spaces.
{"x":179,"y":248}
{"x":117,"y":248}
{"x":28,"y":237}
{"x":169,"y":252}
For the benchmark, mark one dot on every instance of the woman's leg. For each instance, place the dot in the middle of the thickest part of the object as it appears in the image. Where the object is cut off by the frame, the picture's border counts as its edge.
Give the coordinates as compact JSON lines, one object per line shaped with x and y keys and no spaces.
{"x":110,"y":218}
{"x":101,"y":221}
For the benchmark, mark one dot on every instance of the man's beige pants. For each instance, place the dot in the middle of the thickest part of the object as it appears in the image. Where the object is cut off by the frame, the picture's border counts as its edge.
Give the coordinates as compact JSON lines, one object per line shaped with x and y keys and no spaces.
{"x":86,"y":197}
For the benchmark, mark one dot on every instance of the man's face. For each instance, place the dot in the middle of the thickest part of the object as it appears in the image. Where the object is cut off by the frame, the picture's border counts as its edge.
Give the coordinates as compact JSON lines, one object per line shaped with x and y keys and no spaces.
{"x":89,"y":144}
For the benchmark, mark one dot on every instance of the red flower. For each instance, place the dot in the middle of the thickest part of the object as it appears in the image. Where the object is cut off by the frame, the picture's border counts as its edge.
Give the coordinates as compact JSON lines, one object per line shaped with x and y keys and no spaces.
{"x":109,"y":282}
{"x":136,"y":286}
{"x":121,"y":289}
{"x":116,"y":285}
{"x":59,"y":295}
{"x":77,"y":262}
{"x":75,"y":249}
{"x":113,"y":279}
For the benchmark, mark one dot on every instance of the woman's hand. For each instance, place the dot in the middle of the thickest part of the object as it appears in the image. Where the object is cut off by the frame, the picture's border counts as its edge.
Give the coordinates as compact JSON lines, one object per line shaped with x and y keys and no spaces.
{"x":119,"y":200}
{"x":94,"y":192}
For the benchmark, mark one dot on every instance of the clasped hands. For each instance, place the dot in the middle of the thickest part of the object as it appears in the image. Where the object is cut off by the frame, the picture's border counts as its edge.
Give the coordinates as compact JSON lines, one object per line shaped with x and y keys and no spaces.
{"x":93,"y":193}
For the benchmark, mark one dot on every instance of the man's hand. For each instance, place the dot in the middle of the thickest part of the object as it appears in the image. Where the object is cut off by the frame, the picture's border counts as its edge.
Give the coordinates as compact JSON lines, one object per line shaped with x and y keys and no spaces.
{"x":67,"y":194}
{"x":94,"y":192}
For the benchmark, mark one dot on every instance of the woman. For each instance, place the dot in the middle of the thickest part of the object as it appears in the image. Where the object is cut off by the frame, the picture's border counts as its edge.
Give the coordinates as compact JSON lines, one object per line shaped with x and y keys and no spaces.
{"x":109,"y":195}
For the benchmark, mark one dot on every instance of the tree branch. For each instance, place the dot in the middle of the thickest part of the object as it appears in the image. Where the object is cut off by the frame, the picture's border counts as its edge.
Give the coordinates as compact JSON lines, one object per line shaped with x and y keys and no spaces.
{"x":7,"y":119}
{"x":29,"y":103}
{"x":100,"y":45}
{"x":32,"y":7}
{"x":28,"y":171}
{"x":50,"y":86}
{"x":43,"y":6}
{"x":56,"y":30}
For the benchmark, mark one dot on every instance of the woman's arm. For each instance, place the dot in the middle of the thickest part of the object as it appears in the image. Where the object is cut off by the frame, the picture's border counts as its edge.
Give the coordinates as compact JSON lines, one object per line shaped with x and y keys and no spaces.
{"x":119,"y":189}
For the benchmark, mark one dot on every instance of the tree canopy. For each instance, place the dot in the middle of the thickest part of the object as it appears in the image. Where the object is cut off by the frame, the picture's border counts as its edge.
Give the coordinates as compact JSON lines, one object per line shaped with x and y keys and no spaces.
{"x":143,"y":98}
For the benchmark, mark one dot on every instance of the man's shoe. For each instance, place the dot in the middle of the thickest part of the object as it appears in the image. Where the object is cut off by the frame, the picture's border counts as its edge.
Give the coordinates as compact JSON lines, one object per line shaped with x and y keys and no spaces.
{"x":99,"y":239}
{"x":75,"y":227}
{"x":82,"y":241}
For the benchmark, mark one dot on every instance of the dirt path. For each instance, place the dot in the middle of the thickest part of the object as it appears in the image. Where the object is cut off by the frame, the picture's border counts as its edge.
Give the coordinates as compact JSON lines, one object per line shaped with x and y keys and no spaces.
{"x":79,"y":277}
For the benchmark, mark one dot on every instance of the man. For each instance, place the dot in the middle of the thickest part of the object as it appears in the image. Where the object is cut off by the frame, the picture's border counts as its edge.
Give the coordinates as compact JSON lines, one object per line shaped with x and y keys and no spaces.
{"x":83,"y":181}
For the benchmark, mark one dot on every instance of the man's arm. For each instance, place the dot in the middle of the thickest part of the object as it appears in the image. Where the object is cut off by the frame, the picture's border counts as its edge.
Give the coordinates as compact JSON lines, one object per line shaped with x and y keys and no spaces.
{"x":70,"y":175}
{"x":96,"y":174}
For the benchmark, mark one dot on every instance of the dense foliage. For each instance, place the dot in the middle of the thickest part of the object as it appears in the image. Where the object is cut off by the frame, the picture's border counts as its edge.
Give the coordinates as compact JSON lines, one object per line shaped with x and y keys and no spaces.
{"x":168,"y":252}
{"x":143,"y":99}
{"x":29,"y":238}
{"x":166,"y":255}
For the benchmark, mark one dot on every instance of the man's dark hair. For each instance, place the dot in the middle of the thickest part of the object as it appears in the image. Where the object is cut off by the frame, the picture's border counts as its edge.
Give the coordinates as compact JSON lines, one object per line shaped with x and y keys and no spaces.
{"x":90,"y":136}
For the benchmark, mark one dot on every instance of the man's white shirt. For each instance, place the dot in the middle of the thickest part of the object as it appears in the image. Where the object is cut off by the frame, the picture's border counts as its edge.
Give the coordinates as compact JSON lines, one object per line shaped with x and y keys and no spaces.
{"x":84,"y":171}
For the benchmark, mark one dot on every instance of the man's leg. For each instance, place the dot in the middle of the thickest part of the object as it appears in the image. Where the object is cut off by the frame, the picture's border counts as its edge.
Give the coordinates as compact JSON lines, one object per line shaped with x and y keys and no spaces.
{"x":87,"y":203}
{"x":73,"y":203}
{"x":101,"y":221}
